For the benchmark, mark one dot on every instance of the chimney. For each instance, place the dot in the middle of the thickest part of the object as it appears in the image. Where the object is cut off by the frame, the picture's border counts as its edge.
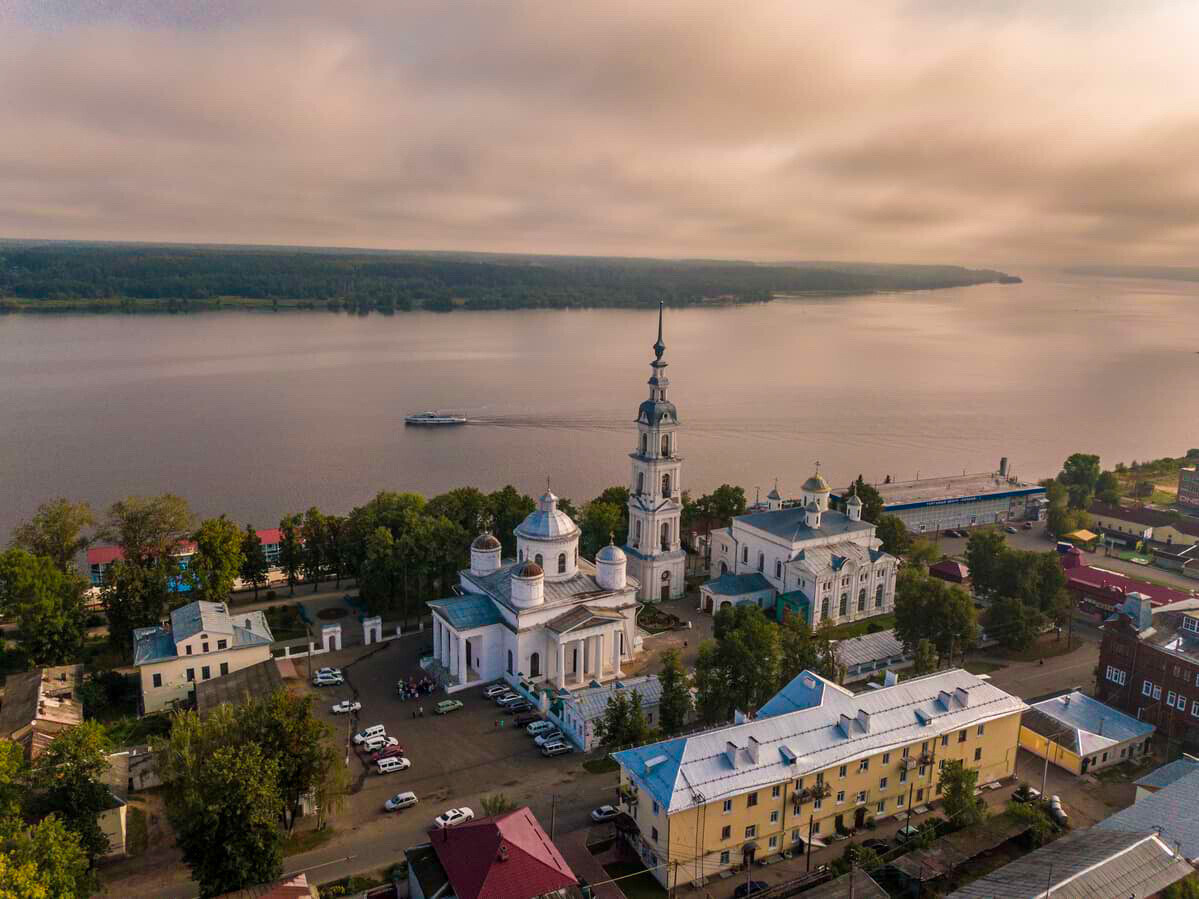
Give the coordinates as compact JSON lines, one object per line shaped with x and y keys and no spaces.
{"x":963,"y":696}
{"x":752,"y":748}
{"x":846,"y":724}
{"x":1003,"y":467}
{"x":730,"y":752}
{"x":864,"y":720}
{"x":890,"y":679}
{"x":945,"y":699}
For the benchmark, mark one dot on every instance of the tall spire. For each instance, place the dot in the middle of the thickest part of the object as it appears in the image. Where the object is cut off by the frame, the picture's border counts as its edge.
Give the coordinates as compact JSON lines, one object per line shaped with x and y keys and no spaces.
{"x":659,"y":347}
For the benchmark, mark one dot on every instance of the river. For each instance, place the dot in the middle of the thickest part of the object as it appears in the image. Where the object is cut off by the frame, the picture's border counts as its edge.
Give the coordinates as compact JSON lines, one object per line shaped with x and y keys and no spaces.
{"x":257,"y":414}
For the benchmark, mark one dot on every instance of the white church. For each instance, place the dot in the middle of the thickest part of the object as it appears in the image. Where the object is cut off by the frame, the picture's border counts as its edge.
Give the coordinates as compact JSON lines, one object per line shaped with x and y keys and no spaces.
{"x":549,"y":617}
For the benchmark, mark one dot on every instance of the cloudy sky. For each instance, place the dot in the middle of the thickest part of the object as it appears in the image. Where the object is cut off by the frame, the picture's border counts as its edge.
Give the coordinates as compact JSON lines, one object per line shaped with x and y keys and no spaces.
{"x":955,"y":131}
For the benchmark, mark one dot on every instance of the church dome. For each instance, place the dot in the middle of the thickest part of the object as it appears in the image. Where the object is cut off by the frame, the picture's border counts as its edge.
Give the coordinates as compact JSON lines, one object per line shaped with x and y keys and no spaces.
{"x":611,"y":553}
{"x":773,"y":494}
{"x":854,"y":500}
{"x":486,"y":542}
{"x":547,"y":522}
{"x":655,"y":412}
{"x":816,"y":484}
{"x":529,"y":569}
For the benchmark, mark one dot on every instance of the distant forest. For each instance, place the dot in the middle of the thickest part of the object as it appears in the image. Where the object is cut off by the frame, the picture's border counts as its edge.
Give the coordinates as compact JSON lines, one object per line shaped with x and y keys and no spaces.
{"x":133,"y":277}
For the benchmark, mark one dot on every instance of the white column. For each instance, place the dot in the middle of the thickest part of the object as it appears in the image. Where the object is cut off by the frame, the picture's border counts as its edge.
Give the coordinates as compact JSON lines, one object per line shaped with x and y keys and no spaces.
{"x":436,"y":639}
{"x":599,"y":657}
{"x":461,"y":660}
{"x":561,"y":664}
{"x":586,"y":668}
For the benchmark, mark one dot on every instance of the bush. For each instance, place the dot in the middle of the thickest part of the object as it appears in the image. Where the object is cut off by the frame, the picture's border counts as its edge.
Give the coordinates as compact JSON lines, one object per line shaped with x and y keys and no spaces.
{"x":95,"y":619}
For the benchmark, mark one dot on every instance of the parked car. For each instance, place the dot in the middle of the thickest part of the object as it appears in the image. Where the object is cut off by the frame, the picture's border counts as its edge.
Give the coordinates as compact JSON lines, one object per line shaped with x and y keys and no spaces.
{"x":327,"y":680}
{"x":540,"y":727}
{"x":374,"y":744}
{"x":392,"y":764}
{"x":505,"y":698}
{"x":550,"y":736}
{"x":1027,"y":526}
{"x":558,"y":747}
{"x":1025,"y":793}
{"x":453,"y":816}
{"x":523,"y":706}
{"x":375,"y":730}
{"x":604,"y":813}
{"x":523,"y":720}
{"x":346,"y":706}
{"x":1011,"y":530}
{"x":336,"y":672}
{"x":446,"y":706}
{"x":387,"y":752}
{"x":879,"y":846}
{"x":400,"y":801}
{"x":906,"y":833}
{"x":496,"y":690}
{"x":748,"y":889}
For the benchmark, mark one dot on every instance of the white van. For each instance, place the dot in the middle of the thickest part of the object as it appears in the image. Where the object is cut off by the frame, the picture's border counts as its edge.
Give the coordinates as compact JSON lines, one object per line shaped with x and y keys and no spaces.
{"x":549,"y":750}
{"x":375,"y":730}
{"x":393,"y":763}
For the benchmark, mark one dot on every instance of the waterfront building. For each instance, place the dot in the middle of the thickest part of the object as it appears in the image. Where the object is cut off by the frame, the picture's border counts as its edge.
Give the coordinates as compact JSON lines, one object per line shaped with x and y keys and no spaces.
{"x":99,"y":558}
{"x":928,"y":505}
{"x":1188,"y":487}
{"x":1081,"y":734}
{"x":654,"y":548}
{"x":823,"y":564}
{"x":817,"y":760}
{"x":199,"y":642}
{"x":1129,"y":526}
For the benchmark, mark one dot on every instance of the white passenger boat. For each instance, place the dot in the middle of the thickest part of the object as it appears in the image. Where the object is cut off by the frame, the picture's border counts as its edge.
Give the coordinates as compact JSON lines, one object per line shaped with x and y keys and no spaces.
{"x":434,"y":418}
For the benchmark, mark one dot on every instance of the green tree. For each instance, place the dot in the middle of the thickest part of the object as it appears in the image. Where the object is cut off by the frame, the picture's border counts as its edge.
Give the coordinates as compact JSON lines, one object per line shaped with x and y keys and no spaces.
{"x":637,"y":727}
{"x":1039,"y":824}
{"x":467,"y":507}
{"x":798,"y":651}
{"x":872,"y":500}
{"x":894,"y":533}
{"x":727,"y":502}
{"x":217,"y":560}
{"x":1187,"y":888}
{"x":984,"y":554}
{"x":927,"y":608}
{"x":68,"y":780}
{"x":254,"y":566}
{"x":741,"y":668}
{"x":226,"y":823}
{"x":148,"y":529}
{"x":379,"y":581}
{"x":1080,"y":475}
{"x":312,"y":532}
{"x":57,"y":531}
{"x":619,"y":497}
{"x":612,"y":728}
{"x":497,"y":804}
{"x":675,"y":704}
{"x":926,"y":658}
{"x":957,"y":783}
{"x":1143,"y":489}
{"x":714,"y":701}
{"x":922,"y":553}
{"x":47,"y":603}
{"x":291,"y":550}
{"x":44,"y":861}
{"x":135,"y":596}
{"x":1107,"y":488}
{"x":1013,"y":623}
{"x":601,"y":522}
{"x":508,"y":508}
{"x":336,"y":535}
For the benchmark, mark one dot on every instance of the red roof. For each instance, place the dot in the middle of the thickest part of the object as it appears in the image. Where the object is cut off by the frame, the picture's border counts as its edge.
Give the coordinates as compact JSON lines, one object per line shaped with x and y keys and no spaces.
{"x":270,"y":535}
{"x":949,"y":570}
{"x":102,"y":555}
{"x":295,"y":887}
{"x":1111,"y":588}
{"x":505,"y":857}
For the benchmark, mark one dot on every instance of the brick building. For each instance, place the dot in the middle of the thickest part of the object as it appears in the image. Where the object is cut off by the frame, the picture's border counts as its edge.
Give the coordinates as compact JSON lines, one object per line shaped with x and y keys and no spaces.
{"x":1149,"y":665}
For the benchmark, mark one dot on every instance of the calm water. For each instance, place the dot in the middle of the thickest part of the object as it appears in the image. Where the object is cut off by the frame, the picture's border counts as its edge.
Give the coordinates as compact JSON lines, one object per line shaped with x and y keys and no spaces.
{"x":258,"y":414}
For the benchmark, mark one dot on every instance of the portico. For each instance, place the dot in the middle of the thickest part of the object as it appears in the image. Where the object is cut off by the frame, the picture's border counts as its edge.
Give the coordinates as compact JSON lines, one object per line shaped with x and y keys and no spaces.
{"x":588,"y":651}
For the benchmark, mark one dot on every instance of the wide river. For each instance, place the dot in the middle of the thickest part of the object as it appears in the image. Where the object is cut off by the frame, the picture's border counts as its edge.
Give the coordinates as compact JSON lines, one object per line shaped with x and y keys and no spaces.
{"x":260,"y":414}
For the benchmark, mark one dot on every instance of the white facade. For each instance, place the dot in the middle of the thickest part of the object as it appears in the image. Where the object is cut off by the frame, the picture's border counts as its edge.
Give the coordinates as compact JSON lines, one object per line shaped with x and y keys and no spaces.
{"x":832,"y":559}
{"x":654,"y":547}
{"x":548,"y":617}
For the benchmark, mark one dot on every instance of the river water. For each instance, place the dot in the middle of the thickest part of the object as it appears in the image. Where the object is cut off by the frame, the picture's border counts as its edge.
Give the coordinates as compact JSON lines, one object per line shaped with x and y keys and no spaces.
{"x":257,"y":414}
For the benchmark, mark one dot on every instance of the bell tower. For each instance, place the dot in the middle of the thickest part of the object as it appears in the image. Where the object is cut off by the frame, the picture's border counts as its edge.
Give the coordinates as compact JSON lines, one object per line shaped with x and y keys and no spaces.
{"x":655,"y":553}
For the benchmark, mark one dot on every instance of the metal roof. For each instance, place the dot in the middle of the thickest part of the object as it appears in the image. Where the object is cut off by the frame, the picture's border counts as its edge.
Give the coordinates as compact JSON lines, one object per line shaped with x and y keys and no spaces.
{"x":583,"y":616}
{"x":788,"y":524}
{"x":200,"y":617}
{"x":154,"y":644}
{"x":858,"y":885}
{"x":498,"y":584}
{"x":1097,"y":726}
{"x":869,"y":648}
{"x":782,"y":744}
{"x":1170,"y":811}
{"x":819,"y":559}
{"x":1170,"y":772}
{"x":590,"y":702}
{"x":1085,"y":864}
{"x":467,"y":612}
{"x":547,"y":521}
{"x":730,"y":584}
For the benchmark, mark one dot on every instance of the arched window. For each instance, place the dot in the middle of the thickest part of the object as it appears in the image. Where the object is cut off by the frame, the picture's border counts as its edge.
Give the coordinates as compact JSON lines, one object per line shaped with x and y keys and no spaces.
{"x":666,"y":535}
{"x":778,"y":568}
{"x":761,"y":561}
{"x":844,"y":603}
{"x":561,"y":563}
{"x":520,"y":556}
{"x":666,"y":486}
{"x":862,"y":600}
{"x":878,"y":597}
{"x":644,"y":444}
{"x":640,"y":482}
{"x":745,"y":554}
{"x":535,"y":665}
{"x":537,"y":559}
{"x":666,"y":445}
{"x":637,"y":535}
{"x":824,"y":608}
{"x":509,"y":661}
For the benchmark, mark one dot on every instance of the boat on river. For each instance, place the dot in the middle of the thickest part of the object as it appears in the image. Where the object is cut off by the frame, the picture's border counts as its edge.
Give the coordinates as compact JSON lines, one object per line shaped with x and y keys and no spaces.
{"x":434,"y":418}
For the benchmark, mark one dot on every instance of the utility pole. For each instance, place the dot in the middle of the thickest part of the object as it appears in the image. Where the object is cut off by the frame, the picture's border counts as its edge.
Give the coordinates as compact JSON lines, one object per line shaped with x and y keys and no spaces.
{"x":553,"y":815}
{"x":811,"y":819}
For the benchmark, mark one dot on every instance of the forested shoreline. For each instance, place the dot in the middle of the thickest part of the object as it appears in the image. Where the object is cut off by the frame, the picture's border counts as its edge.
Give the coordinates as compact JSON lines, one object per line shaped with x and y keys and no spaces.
{"x":66,"y":277}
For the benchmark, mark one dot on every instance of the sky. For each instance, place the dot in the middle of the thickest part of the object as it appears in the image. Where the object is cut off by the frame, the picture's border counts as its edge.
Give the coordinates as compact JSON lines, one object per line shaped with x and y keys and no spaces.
{"x":979,"y":133}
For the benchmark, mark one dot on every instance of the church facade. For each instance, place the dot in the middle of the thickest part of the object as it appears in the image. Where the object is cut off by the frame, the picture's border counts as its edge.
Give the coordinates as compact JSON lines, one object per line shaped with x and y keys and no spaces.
{"x":826,"y":565}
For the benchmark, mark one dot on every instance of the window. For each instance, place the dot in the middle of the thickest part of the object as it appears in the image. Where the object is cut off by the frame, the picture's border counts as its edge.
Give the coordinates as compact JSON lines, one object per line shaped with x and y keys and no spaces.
{"x":751,"y":831}
{"x":944,"y":739}
{"x":158,"y":681}
{"x":745,"y":554}
{"x":1115,"y":675}
{"x":924,"y":746}
{"x":655,"y":806}
{"x":1105,"y":757}
{"x":824,"y":608}
{"x":540,"y":561}
{"x":978,"y":754}
{"x":920,"y":795}
{"x":728,"y":806}
{"x":962,"y":735}
{"x":939,"y":788}
{"x":665,"y":486}
{"x":1182,"y":703}
{"x":665,"y":445}
{"x":1123,"y":752}
{"x":819,"y":778}
{"x":206,"y":672}
{"x":777,"y":791}
{"x":751,"y":800}
{"x":1147,"y":688}
{"x":535,"y":665}
{"x":189,"y":649}
{"x":191,"y":674}
{"x":636,"y":533}
{"x":862,"y":600}
{"x":778,"y":568}
{"x":906,"y":752}
{"x":561,"y":563}
{"x":941,"y":766}
{"x":653,"y":834}
{"x":882,"y":806}
{"x":844,"y":603}
{"x":204,"y":647}
{"x":222,"y":644}
{"x":224,"y":668}
{"x":1195,"y":707}
{"x":860,"y":797}
{"x":817,"y":804}
{"x":726,"y":832}
{"x":774,"y":817}
{"x":979,"y":732}
{"x":863,"y":765}
{"x":878,"y":597}
{"x":1157,"y":692}
{"x":1170,"y":699}
{"x":886,"y":758}
{"x":900,"y":800}
{"x":816,"y":827}
{"x":724,"y":857}
{"x":774,"y":841}
{"x":840,"y":796}
{"x":903,"y":775}
{"x":842,"y":771}
{"x":761,"y":561}
{"x":510,"y":661}
{"x":922,"y":769}
{"x":795,"y":836}
{"x":882,"y":783}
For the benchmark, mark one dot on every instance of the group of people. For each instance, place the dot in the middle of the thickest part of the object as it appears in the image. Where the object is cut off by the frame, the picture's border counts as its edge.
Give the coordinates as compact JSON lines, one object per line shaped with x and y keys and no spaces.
{"x":416,"y":687}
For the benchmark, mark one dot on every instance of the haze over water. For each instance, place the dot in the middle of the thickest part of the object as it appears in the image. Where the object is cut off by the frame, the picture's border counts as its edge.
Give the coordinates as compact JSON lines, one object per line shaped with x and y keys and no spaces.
{"x":260,"y":414}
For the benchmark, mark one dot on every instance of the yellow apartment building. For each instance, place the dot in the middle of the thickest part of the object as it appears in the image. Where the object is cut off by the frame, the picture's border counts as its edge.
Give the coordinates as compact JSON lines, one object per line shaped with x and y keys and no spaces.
{"x":817,"y":759}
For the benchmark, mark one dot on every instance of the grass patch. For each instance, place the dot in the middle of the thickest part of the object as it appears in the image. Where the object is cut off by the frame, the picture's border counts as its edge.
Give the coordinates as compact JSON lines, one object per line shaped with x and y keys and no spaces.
{"x":307,"y":840}
{"x":640,"y":885}
{"x":862,"y":626}
{"x":977,"y":666}
{"x":137,"y":834}
{"x":132,"y":731}
{"x":353,"y":885}
{"x":604,"y":765}
{"x":285,"y":622}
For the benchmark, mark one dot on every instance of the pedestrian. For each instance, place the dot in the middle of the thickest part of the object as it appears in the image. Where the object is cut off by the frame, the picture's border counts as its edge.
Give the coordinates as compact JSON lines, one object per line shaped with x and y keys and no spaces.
{"x":422,"y":711}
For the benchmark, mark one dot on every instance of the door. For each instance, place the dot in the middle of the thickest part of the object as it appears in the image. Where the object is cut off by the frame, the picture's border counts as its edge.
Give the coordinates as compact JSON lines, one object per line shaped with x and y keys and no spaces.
{"x":859,"y":817}
{"x":839,"y":824}
{"x":666,"y":591}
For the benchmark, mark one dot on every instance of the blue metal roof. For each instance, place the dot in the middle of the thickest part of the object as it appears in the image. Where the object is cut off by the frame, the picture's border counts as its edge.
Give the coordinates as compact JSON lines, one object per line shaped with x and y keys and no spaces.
{"x":467,"y":612}
{"x":152,"y":644}
{"x":803,"y":692}
{"x":738,"y":584}
{"x":656,"y":767}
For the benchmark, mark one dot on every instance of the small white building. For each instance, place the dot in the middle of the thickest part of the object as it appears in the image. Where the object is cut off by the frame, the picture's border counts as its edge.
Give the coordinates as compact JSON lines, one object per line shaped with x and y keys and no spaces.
{"x":870,"y":653}
{"x":576,"y":712}
{"x":828,"y":563}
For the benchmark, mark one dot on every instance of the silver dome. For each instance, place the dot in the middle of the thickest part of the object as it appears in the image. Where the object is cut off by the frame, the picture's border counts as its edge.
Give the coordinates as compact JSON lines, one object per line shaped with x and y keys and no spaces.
{"x":548,"y":522}
{"x":611,"y":553}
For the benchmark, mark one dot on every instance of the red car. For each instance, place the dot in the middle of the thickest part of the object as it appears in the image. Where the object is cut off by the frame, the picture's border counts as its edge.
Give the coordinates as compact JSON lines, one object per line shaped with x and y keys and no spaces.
{"x":387,"y":752}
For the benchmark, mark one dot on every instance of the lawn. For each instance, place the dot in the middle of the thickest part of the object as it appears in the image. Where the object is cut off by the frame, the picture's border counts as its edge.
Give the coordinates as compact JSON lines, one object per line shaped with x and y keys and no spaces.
{"x":640,"y":885}
{"x":133,"y":731}
{"x":285,"y":622}
{"x":1045,"y":648}
{"x":977,"y":666}
{"x":864,"y":626}
{"x":603,"y":765}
